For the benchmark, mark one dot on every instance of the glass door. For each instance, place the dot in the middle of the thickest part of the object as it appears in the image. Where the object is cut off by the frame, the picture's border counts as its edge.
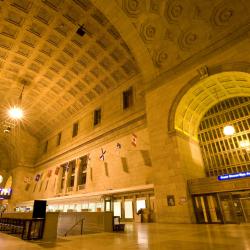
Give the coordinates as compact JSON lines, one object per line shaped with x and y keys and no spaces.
{"x":227,"y":207}
{"x":200,"y":211}
{"x":207,"y":209}
{"x":245,"y":202}
{"x":128,"y":209}
{"x":117,"y":208}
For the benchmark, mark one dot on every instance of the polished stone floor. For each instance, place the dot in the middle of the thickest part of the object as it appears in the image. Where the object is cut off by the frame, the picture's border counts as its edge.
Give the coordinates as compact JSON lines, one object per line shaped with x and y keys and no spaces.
{"x":146,"y":236}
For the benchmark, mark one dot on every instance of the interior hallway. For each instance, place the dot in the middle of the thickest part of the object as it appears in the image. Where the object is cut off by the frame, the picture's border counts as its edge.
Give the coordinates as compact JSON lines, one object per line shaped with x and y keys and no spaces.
{"x":147,"y":236}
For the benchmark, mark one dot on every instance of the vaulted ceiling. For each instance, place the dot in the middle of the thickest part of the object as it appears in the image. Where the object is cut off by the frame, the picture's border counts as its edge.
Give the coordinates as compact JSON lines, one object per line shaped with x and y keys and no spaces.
{"x":63,"y":72}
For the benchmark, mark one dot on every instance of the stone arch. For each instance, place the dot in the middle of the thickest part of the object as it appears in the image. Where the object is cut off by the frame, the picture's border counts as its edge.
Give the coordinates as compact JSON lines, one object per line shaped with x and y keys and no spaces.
{"x":199,"y":95}
{"x":115,"y":15}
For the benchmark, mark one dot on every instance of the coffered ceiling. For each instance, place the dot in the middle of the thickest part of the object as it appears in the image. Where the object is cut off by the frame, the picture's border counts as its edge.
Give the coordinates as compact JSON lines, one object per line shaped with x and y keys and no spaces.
{"x":63,"y":72}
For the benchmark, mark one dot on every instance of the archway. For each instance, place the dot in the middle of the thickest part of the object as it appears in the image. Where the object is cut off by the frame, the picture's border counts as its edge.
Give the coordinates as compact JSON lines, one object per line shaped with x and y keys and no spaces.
{"x":191,"y":105}
{"x":189,"y":108}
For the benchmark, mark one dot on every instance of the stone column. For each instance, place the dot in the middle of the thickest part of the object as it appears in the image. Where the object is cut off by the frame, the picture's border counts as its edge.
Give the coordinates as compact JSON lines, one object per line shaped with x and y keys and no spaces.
{"x":21,"y":190}
{"x":76,"y":175}
{"x":176,"y":158}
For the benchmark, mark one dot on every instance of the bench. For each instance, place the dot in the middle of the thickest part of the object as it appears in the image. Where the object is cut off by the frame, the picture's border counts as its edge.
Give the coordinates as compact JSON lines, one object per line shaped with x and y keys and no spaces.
{"x":117,"y":225}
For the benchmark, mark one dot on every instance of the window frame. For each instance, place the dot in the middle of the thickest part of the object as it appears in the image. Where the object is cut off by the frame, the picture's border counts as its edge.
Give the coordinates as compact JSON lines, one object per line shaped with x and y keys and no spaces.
{"x":97,"y":117}
{"x":128,"y":98}
{"x":75,"y":129}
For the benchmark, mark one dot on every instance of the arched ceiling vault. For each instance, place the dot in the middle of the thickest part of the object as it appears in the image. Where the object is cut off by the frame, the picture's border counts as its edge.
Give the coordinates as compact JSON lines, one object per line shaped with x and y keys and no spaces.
{"x":64,"y":72}
{"x":205,"y":94}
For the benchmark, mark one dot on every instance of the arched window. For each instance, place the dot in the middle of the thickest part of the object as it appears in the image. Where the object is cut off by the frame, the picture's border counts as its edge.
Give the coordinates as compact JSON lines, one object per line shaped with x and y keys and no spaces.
{"x":226,"y":154}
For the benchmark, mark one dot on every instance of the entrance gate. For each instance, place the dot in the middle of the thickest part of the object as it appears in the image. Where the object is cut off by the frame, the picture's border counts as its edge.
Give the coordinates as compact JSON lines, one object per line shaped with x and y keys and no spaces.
{"x":222,"y":208}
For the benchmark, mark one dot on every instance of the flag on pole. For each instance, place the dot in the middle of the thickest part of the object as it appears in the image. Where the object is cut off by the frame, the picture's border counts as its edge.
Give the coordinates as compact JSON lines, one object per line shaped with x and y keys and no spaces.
{"x":37,"y":178}
{"x":27,"y":180}
{"x":67,"y":167}
{"x":49,"y":173}
{"x":57,"y":170}
{"x":102,"y":156}
{"x":134,"y":140}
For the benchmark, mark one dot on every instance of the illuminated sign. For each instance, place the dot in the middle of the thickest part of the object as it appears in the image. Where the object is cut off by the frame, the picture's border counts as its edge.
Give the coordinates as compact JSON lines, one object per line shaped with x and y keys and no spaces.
{"x":233,"y":176}
{"x":5,"y":193}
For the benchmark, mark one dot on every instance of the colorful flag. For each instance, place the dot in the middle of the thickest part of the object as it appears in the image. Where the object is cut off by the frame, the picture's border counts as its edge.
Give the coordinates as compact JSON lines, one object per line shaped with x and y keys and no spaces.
{"x":67,"y":167}
{"x":27,"y":180}
{"x":49,"y":173}
{"x":102,"y":156}
{"x":134,"y":140}
{"x":37,"y":178}
{"x":57,"y":170}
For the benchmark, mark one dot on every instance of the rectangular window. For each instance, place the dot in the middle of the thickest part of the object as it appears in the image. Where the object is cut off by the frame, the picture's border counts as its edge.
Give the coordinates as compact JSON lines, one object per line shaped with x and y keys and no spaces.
{"x":83,"y":170}
{"x":45,"y":149}
{"x":58,"y":140}
{"x":128,"y":98}
{"x":64,"y":170}
{"x":128,"y":209}
{"x":75,"y":129}
{"x":97,"y":117}
{"x":72,"y":170}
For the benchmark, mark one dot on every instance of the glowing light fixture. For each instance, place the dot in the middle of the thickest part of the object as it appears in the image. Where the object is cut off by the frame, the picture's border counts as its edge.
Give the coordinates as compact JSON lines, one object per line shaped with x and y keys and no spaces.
{"x":228,"y":130}
{"x":244,"y":144}
{"x":15,"y":113}
{"x":1,"y":179}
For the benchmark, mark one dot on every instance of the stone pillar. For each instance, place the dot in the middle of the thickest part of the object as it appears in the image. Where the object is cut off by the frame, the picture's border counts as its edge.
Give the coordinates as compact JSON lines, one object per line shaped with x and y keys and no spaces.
{"x":76,"y":175}
{"x":20,"y":187}
{"x":175,"y":157}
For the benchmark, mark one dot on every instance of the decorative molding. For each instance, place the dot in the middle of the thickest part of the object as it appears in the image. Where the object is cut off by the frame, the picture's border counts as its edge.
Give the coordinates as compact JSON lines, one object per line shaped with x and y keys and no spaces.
{"x":203,"y":72}
{"x":222,"y":15}
{"x":160,"y":57}
{"x":133,"y":7}
{"x":174,"y":10}
{"x":148,"y":31}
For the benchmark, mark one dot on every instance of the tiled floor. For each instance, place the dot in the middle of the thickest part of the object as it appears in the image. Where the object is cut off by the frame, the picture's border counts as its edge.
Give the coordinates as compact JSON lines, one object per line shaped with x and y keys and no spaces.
{"x":147,"y":236}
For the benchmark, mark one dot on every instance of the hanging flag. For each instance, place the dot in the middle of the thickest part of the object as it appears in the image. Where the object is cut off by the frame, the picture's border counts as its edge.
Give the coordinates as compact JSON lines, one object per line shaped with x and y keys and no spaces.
{"x":37,"y":178}
{"x":89,"y":158}
{"x":67,"y":167}
{"x":102,"y":156}
{"x":27,"y":180}
{"x":49,"y":173}
{"x":57,"y":170}
{"x":118,"y":145}
{"x":134,"y":140}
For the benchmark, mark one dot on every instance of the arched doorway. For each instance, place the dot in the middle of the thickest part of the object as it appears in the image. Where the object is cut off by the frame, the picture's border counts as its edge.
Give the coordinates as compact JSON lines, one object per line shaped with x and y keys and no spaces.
{"x":213,"y":199}
{"x":225,"y":155}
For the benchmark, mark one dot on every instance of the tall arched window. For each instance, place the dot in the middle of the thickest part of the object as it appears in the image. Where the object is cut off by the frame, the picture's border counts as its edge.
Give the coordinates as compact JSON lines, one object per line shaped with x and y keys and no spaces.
{"x":226,"y":154}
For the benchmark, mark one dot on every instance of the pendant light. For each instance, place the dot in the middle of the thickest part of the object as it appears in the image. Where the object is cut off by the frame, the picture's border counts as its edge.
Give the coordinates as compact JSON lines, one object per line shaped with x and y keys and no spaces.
{"x":16,"y":112}
{"x":228,"y":130}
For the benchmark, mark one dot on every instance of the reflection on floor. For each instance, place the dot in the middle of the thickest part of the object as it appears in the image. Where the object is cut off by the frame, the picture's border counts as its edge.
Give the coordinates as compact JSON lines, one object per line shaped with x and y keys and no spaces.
{"x":146,"y":236}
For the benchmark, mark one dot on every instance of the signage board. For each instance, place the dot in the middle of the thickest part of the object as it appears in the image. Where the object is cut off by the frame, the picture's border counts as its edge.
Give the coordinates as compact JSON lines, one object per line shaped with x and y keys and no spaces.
{"x":233,"y":176}
{"x":5,"y":193}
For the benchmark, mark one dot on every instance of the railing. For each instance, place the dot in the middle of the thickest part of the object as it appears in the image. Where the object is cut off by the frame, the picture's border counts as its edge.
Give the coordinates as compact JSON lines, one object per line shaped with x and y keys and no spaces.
{"x":77,"y":223}
{"x":28,"y":229}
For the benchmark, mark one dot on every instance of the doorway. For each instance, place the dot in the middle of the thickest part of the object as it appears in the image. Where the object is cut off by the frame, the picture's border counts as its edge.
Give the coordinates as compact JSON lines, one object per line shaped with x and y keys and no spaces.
{"x":207,"y":209}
